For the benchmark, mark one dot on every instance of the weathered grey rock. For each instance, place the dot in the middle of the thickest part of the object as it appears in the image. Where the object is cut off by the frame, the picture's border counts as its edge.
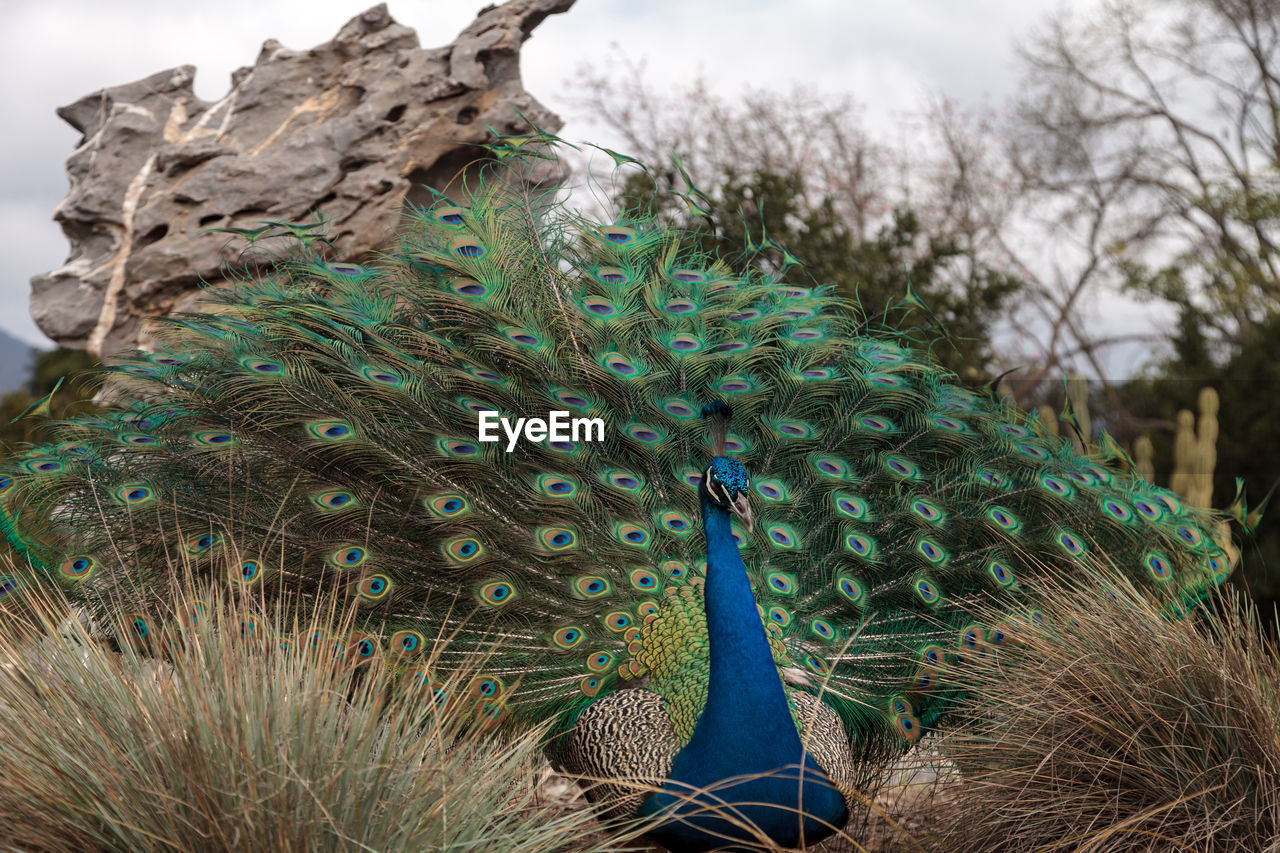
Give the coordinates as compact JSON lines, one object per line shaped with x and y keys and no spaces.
{"x":351,"y":127}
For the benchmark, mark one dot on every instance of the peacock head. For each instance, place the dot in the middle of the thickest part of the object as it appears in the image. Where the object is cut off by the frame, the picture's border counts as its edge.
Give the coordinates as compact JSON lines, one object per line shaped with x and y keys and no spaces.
{"x":726,"y":484}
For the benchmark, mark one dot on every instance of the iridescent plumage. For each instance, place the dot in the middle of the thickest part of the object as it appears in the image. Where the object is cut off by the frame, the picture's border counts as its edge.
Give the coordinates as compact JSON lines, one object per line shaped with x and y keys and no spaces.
{"x":322,"y":427}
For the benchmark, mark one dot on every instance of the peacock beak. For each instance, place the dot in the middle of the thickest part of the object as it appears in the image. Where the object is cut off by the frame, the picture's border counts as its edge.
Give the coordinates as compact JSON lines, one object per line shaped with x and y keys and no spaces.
{"x":740,"y":506}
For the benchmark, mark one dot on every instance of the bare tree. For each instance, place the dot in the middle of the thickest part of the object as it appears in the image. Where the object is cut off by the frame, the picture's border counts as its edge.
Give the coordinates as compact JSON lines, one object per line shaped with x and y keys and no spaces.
{"x":818,"y":138}
{"x":1151,"y":128}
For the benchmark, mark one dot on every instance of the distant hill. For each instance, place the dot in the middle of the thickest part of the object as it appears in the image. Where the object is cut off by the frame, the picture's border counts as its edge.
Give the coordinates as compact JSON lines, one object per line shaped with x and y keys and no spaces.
{"x":15,"y":362}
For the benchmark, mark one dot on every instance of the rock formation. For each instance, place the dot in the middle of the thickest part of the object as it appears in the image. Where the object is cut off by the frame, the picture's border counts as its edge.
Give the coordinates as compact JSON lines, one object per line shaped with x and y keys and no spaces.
{"x":350,"y":128}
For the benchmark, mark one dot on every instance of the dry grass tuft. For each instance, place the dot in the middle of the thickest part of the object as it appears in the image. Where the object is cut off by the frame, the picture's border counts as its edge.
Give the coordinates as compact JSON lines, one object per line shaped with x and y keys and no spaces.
{"x":231,"y":743}
{"x":1112,"y":728}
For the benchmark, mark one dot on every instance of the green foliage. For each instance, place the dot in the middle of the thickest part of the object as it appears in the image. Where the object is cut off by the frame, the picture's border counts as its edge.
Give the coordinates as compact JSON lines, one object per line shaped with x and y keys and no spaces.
{"x":965,"y":296}
{"x":1113,"y":728}
{"x":1248,"y":443}
{"x":72,"y":398}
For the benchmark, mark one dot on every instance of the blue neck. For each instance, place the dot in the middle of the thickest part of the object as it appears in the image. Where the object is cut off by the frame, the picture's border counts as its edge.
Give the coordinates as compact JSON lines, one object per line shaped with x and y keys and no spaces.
{"x":745,"y":730}
{"x":745,"y":691}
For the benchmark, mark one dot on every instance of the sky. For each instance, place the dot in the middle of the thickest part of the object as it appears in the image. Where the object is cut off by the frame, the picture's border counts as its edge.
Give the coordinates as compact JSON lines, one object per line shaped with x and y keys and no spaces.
{"x":888,"y":56}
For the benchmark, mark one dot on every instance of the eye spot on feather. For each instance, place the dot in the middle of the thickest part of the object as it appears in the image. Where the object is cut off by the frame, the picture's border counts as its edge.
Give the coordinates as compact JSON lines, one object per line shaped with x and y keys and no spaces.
{"x":454,"y":447}
{"x":644,"y":433}
{"x":468,"y":287}
{"x":1081,"y":478}
{"x":794,"y":429}
{"x":138,"y":439}
{"x":685,"y":343}
{"x":859,"y":544}
{"x":590,"y":686}
{"x":676,"y":522}
{"x":901,"y":467}
{"x":592,"y":586}
{"x":817,"y":664}
{"x":1189,"y":535}
{"x":678,"y":409}
{"x":214,"y":439}
{"x":467,"y":248}
{"x":625,"y":480}
{"x":680,"y":306}
{"x":523,"y":337}
{"x":1000,"y":573}
{"x":249,"y":571}
{"x":991,"y":478}
{"x":447,"y":506}
{"x":830,"y":467}
{"x":781,"y":537}
{"x":885,"y":381}
{"x":884,"y":356}
{"x":330,"y":430}
{"x":78,"y":567}
{"x":348,"y":556}
{"x":374,"y":587}
{"x":1003,"y":518}
{"x":345,"y":269}
{"x":497,"y":593}
{"x":644,"y":580}
{"x":1117,"y":510}
{"x":1032,"y":451}
{"x":450,"y":215}
{"x":464,"y":550}
{"x":926,"y":510}
{"x":805,"y":335}
{"x":732,"y":346}
{"x":931,"y":551}
{"x":599,"y":307}
{"x":688,"y":276}
{"x":264,"y":367}
{"x":1055,"y":486}
{"x":1158,"y":565}
{"x":745,"y":316}
{"x":617,"y":621}
{"x":1147,"y":509}
{"x":134,"y":494}
{"x":620,"y":365}
{"x":599,"y":661}
{"x":781,"y":582}
{"x":407,"y":643}
{"x":618,"y":235}
{"x":850,"y":589}
{"x":771,"y":490}
{"x":1070,"y":543}
{"x":567,"y":637}
{"x":558,"y":487}
{"x":632,"y":534}
{"x":927,"y":591}
{"x":203,"y":543}
{"x":850,"y":506}
{"x":558,"y":538}
{"x":816,"y":373}
{"x":675,"y":569}
{"x":734,"y":386}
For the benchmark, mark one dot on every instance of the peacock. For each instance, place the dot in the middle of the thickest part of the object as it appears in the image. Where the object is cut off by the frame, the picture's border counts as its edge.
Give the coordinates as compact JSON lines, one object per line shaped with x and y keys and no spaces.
{"x":717,"y":527}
